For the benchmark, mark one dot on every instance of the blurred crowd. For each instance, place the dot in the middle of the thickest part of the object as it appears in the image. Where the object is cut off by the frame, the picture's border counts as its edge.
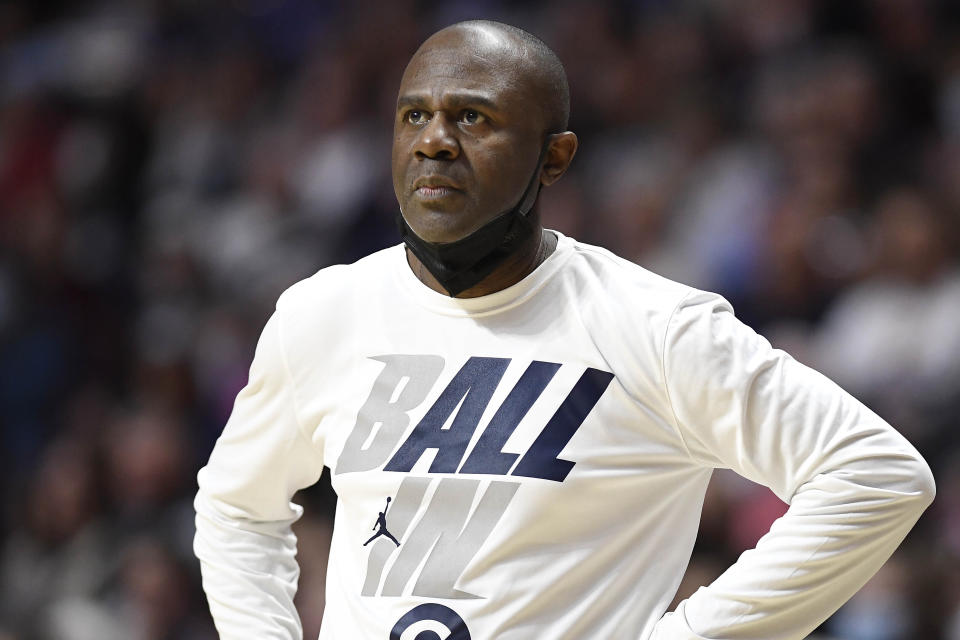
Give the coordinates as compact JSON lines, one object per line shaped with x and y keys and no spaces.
{"x":168,"y":167}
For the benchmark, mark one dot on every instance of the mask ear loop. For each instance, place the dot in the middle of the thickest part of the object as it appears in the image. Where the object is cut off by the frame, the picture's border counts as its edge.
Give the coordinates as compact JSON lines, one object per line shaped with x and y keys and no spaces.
{"x":441,"y":259}
{"x":523,"y":208}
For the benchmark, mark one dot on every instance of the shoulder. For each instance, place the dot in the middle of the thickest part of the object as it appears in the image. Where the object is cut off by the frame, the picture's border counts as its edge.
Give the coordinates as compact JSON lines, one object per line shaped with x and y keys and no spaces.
{"x":621,"y":287}
{"x":329,"y":302}
{"x":340,"y":284}
{"x":631,"y":313}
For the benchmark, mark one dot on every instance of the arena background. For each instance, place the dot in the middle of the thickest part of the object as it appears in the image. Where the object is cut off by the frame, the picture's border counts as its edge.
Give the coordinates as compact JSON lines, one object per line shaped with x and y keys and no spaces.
{"x":168,"y":167}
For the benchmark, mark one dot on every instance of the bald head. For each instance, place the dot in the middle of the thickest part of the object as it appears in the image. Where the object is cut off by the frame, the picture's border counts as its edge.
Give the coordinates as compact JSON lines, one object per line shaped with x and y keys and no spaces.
{"x":512,"y":50}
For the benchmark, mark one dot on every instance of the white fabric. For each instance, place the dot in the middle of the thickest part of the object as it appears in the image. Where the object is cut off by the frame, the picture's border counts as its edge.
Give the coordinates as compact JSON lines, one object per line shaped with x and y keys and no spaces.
{"x":598,"y":555}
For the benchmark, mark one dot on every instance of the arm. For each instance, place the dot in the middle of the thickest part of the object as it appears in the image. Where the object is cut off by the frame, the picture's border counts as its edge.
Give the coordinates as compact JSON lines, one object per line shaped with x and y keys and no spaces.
{"x":244,"y":541}
{"x":855,"y":486}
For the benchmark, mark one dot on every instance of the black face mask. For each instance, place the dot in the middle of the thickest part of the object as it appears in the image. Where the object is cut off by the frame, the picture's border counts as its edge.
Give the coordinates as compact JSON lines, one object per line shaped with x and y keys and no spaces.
{"x":459,"y":265}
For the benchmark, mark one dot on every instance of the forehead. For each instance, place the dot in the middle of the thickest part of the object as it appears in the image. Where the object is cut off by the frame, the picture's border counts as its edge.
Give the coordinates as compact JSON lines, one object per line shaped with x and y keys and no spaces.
{"x":468,"y":62}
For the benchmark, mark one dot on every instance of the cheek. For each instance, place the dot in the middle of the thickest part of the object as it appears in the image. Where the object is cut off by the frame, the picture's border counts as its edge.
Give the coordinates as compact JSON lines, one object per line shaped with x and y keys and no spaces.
{"x":504,"y":172}
{"x":398,"y":164}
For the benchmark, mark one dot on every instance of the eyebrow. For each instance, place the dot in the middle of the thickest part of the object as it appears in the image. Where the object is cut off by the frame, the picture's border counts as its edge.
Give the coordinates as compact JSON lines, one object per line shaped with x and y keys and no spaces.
{"x":455,"y":100}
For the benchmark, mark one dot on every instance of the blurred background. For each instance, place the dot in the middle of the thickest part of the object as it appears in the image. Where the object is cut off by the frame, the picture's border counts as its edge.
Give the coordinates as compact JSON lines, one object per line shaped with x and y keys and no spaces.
{"x":168,"y":167}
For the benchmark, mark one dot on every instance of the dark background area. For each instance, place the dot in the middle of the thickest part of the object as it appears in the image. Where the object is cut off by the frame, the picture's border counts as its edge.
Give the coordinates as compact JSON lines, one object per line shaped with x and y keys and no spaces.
{"x":168,"y":167}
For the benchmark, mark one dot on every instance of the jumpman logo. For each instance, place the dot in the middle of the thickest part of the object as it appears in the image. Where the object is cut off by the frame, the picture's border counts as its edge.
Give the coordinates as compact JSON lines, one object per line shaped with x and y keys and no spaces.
{"x":382,"y":524}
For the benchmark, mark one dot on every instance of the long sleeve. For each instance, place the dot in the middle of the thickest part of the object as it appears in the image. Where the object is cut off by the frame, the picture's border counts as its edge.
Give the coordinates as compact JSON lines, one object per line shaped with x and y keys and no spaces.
{"x":854,"y":485}
{"x":244,"y":510}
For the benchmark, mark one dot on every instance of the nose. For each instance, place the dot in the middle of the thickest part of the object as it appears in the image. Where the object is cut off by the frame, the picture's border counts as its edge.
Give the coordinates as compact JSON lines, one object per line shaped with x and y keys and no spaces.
{"x":437,"y":140}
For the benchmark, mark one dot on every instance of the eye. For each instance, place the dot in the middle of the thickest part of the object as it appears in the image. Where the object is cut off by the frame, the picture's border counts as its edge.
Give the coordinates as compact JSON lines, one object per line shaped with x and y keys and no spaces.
{"x":415,"y":116}
{"x":470,"y":116}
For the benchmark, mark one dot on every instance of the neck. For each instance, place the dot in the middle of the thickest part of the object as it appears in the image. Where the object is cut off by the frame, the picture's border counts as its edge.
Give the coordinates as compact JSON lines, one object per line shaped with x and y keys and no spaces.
{"x":518,"y":266}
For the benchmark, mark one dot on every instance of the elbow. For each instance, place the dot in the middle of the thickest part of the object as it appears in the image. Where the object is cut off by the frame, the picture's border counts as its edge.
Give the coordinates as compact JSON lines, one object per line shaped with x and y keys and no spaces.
{"x":924,"y":484}
{"x":916,"y":486}
{"x":903,"y":476}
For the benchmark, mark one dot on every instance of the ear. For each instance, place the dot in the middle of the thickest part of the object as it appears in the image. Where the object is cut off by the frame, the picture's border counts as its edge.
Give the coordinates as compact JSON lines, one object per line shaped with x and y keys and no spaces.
{"x":560,"y":152}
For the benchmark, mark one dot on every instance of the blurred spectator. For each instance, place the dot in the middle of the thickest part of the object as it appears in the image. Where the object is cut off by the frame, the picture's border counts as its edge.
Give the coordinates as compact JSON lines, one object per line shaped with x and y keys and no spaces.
{"x":59,"y":551}
{"x":892,"y":338}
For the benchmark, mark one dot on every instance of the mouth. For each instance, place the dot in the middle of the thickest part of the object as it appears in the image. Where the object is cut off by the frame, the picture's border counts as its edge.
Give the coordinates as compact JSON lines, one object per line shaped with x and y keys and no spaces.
{"x":435,"y":182}
{"x":435,"y":186}
{"x":435,"y":192}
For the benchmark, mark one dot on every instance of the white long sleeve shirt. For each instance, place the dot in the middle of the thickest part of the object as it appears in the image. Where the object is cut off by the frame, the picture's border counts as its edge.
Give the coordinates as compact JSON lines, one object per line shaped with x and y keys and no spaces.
{"x":532,"y":464}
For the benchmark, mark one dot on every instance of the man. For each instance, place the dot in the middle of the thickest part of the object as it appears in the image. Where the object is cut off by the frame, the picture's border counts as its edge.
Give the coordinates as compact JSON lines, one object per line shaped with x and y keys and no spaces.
{"x":544,"y":415}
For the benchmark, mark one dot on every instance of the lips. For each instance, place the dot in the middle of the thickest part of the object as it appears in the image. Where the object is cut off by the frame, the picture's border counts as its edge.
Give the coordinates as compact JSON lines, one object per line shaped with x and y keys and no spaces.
{"x":435,"y":193}
{"x":435,"y":184}
{"x":435,"y":188}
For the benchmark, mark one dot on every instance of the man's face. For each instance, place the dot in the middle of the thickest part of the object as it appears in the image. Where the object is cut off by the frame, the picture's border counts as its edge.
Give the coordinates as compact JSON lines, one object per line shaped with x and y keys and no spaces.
{"x":467,"y":134}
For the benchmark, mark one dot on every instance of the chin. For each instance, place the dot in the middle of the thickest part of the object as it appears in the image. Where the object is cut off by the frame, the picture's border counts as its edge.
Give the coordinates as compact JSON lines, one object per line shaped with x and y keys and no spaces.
{"x":440,"y":226}
{"x":441,"y":236}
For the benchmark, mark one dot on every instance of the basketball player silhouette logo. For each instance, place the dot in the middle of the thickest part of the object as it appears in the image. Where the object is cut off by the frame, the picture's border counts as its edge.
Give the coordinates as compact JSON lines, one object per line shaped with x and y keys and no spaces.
{"x":381,"y":527}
